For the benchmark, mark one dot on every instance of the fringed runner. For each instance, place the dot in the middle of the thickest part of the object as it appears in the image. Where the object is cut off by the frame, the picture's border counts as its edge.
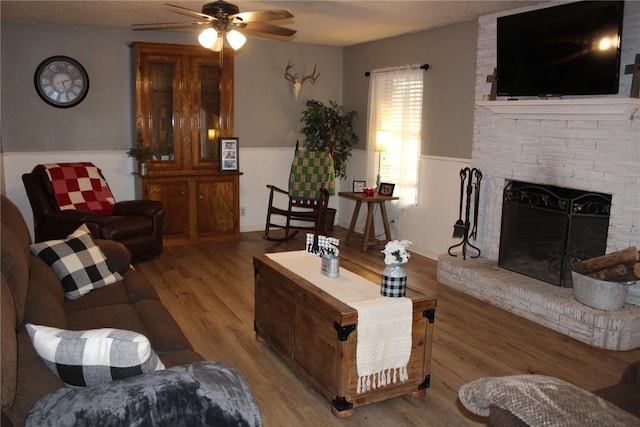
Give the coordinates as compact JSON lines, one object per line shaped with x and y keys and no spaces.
{"x":384,"y":341}
{"x":384,"y":324}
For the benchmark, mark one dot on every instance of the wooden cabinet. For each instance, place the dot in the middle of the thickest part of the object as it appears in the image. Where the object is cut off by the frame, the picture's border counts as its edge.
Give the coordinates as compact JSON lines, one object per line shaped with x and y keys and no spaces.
{"x":174,"y":195}
{"x":184,"y":104}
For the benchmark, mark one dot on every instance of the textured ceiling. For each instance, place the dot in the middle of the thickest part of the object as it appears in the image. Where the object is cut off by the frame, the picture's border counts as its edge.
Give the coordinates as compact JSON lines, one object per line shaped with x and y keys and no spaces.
{"x":337,"y":23}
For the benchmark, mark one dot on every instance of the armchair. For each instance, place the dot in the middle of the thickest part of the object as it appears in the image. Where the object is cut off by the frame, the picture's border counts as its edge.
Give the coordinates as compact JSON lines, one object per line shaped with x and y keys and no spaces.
{"x":65,"y":195}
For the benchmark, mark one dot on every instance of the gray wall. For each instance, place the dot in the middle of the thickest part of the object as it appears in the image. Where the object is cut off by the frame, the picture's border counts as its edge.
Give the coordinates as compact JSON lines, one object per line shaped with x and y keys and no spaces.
{"x":449,"y":83}
{"x":266,"y":112}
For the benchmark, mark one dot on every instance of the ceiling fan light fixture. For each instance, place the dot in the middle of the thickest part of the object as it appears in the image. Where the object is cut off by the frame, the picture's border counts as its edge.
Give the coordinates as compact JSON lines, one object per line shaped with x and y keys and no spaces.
{"x":208,"y":38}
{"x":236,"y":39}
{"x":219,"y":44}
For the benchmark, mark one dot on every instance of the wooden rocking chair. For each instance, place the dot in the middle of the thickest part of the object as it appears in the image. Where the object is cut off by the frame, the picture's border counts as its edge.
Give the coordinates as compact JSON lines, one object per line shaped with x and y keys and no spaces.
{"x":311,"y":182}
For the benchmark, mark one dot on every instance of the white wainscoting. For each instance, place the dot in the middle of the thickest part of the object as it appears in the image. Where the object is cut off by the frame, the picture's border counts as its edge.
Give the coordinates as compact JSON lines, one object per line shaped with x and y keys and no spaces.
{"x":429,"y":225}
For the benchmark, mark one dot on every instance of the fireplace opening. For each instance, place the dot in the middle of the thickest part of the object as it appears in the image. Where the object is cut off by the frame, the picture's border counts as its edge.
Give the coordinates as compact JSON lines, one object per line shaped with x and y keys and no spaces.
{"x":545,"y":229}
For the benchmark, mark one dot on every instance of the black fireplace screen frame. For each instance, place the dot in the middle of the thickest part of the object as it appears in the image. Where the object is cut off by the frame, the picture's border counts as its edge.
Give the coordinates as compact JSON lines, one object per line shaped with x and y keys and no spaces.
{"x":545,"y":229}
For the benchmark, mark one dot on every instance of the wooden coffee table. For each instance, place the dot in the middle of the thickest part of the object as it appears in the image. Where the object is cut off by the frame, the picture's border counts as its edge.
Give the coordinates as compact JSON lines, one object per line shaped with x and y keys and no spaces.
{"x":316,"y":335}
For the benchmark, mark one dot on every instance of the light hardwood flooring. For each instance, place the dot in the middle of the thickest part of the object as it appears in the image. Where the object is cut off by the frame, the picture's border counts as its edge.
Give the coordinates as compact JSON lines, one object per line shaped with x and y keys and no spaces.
{"x":208,"y":288}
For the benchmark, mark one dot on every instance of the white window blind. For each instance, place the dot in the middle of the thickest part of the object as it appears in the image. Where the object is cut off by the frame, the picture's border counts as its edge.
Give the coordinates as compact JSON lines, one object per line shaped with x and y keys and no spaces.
{"x":395,"y":126}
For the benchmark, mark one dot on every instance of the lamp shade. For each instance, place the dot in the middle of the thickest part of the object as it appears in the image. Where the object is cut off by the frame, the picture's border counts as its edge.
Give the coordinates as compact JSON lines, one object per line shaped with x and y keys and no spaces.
{"x":236,"y":39}
{"x":383,"y":140}
{"x":208,"y":38}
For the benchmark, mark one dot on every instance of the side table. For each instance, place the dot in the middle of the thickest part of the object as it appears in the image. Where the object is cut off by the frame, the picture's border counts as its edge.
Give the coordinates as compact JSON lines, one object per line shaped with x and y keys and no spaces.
{"x":369,"y":238}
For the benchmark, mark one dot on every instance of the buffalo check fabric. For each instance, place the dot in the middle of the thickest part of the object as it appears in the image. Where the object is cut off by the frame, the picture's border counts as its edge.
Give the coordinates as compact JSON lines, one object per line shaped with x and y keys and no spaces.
{"x":84,"y":358}
{"x":80,"y":186}
{"x":79,"y":264}
{"x":393,"y":286}
{"x":311,"y":171}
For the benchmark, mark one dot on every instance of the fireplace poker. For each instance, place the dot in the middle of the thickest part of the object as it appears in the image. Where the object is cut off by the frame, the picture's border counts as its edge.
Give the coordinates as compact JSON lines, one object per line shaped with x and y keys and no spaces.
{"x":476,"y":205}
{"x":467,"y":175}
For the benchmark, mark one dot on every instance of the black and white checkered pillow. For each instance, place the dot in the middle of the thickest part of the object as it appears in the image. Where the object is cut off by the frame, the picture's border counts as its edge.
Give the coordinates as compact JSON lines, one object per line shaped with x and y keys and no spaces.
{"x":84,"y":358}
{"x":79,"y":264}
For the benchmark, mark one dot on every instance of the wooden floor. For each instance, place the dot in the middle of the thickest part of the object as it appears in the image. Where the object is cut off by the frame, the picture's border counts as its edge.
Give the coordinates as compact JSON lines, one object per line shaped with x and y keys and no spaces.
{"x":209,"y":290}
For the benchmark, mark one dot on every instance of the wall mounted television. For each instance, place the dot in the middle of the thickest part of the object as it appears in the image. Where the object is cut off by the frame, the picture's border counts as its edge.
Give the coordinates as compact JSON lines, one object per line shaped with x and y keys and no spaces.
{"x":560,"y":50}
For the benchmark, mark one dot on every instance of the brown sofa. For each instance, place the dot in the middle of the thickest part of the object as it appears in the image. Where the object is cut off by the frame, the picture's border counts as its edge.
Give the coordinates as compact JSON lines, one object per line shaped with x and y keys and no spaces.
{"x":523,"y":400}
{"x":32,"y":293}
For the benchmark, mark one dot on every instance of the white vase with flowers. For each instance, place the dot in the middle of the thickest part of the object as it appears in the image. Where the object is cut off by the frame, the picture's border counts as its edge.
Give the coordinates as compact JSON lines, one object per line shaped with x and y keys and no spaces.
{"x":394,"y":276}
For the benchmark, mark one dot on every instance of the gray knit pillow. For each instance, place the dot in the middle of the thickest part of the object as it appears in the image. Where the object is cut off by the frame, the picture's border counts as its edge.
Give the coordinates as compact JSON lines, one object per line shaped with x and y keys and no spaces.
{"x":83,"y":358}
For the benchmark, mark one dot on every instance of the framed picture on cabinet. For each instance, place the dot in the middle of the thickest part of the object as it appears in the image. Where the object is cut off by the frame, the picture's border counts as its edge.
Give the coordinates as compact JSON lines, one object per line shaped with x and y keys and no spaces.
{"x":229,"y":154}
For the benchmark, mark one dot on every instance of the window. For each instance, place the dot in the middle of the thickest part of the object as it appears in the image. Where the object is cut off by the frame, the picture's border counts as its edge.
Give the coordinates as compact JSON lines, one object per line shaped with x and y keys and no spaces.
{"x":395,"y":125}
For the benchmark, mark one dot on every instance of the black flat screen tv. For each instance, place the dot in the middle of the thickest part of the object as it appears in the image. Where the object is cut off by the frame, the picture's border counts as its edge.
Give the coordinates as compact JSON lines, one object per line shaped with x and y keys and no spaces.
{"x":572,"y":49}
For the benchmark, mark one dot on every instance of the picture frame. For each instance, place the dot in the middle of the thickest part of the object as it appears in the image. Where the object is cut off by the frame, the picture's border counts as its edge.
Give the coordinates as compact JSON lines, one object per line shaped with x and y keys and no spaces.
{"x":229,"y":155}
{"x":358,"y":186}
{"x":386,"y":189}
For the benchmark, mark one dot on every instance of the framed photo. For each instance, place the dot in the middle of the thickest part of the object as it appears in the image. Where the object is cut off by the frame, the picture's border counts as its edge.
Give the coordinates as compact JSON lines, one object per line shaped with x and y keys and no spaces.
{"x":229,"y":154}
{"x":358,"y":186}
{"x":386,"y":189}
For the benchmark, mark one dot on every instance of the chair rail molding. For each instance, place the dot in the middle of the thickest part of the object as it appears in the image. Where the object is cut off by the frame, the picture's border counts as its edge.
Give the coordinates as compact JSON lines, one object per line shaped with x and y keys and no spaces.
{"x":611,"y":108}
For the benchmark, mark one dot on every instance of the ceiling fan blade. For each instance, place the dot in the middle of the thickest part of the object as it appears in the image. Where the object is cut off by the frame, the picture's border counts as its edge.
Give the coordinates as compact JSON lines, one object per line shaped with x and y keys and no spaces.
{"x":192,"y":13}
{"x":169,"y":25}
{"x":261,"y":27}
{"x":261,"y":15}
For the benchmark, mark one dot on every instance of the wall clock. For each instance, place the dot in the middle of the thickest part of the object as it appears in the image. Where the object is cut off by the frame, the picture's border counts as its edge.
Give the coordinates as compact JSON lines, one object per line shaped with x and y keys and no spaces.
{"x":61,"y":81}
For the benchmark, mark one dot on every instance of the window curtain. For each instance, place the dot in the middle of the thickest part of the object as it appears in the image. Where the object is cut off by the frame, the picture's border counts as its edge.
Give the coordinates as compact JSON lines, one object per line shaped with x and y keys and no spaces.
{"x":394,"y":130}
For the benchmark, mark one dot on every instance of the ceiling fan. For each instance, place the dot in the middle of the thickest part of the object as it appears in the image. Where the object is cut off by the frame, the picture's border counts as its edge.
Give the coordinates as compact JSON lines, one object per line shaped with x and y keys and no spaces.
{"x":221,"y":20}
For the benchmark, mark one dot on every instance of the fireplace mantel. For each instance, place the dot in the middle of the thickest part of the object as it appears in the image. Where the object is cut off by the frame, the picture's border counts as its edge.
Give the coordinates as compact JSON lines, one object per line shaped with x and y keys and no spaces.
{"x":613,"y":108}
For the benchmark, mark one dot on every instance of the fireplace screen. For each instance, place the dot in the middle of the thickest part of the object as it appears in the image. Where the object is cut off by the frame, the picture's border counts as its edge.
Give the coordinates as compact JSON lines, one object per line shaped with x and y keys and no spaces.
{"x":545,"y":229}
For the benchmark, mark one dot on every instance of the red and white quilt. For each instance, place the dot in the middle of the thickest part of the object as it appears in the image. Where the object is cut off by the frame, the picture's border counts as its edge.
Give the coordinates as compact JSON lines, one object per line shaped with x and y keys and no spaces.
{"x":80,"y":186}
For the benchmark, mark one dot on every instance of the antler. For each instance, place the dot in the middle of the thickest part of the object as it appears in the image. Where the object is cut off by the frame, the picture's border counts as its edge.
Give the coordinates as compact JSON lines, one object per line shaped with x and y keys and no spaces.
{"x":297,"y":83}
{"x":312,"y":78}
{"x":287,"y":75}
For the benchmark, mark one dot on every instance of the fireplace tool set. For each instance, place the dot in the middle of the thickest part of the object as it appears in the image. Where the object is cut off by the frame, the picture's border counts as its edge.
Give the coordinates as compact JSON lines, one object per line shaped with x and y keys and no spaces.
{"x":465,"y":229}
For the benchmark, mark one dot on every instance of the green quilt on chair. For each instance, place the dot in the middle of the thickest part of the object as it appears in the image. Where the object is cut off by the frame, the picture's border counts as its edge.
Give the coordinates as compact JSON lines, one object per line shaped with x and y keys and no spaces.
{"x":311,"y":171}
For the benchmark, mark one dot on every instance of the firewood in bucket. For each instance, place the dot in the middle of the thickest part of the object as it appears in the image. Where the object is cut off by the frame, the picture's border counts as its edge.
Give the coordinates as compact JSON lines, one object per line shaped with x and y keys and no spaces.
{"x":619,"y":266}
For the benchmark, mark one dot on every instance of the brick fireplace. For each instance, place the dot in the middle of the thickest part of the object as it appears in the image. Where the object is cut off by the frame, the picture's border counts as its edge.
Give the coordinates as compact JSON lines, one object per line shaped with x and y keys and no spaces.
{"x":566,"y":143}
{"x":579,"y":150}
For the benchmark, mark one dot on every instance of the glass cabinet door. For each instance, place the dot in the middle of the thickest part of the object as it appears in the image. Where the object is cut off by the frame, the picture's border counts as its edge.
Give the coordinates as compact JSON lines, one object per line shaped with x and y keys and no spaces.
{"x":208,"y":107}
{"x":210,"y":110}
{"x":161,"y":130}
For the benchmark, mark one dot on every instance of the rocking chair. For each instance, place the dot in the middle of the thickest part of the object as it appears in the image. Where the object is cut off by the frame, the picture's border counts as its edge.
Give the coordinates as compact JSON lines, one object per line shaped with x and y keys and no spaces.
{"x":311,"y":182}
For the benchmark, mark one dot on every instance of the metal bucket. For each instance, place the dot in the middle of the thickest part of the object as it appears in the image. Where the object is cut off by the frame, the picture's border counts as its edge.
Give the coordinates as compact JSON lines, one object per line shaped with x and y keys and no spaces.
{"x":599,"y":293}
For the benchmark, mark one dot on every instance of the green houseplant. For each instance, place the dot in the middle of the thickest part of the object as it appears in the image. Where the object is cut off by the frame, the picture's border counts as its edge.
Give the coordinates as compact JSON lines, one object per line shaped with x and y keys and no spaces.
{"x":141,"y":153}
{"x":329,"y":128}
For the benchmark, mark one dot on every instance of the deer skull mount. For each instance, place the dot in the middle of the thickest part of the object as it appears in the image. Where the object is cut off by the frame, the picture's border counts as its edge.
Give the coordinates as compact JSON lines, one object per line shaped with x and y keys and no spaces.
{"x":296,"y":82}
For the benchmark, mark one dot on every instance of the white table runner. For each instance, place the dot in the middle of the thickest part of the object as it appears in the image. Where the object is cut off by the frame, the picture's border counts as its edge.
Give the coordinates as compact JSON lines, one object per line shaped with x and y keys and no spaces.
{"x":384,"y":324}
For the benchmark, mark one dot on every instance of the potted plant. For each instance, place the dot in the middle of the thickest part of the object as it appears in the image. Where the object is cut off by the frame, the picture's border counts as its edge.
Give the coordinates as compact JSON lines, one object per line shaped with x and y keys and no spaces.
{"x":142,"y":154}
{"x":329,"y":128}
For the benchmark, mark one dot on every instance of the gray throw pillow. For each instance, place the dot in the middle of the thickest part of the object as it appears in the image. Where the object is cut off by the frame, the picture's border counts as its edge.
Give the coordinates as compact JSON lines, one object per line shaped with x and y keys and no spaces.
{"x":83,"y":358}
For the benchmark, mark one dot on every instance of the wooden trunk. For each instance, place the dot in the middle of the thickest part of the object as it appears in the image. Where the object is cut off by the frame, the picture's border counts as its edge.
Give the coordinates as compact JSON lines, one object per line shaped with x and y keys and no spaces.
{"x":316,"y":335}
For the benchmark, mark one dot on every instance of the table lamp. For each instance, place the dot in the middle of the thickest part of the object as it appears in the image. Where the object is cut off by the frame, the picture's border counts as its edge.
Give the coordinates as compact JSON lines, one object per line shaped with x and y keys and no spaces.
{"x":381,"y":146}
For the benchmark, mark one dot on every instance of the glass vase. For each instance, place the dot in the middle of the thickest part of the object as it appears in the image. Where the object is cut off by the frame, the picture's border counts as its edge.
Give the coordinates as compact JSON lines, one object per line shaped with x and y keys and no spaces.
{"x":394,"y":281}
